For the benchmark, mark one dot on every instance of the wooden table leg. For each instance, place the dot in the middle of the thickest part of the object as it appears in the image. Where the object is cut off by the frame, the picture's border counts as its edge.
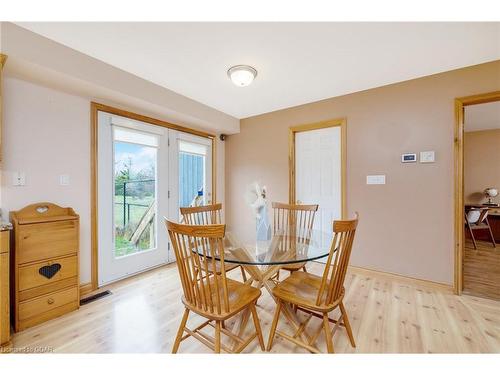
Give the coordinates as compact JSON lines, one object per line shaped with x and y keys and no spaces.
{"x":262,"y":279}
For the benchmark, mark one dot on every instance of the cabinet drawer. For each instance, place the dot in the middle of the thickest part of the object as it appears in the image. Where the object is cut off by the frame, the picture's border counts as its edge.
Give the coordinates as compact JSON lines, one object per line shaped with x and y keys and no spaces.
{"x":30,"y":276}
{"x":51,"y":301}
{"x":47,"y":240}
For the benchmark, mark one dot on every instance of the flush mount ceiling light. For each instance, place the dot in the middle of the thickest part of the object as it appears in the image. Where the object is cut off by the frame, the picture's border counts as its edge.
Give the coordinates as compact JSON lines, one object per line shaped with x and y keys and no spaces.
{"x":242,"y":75}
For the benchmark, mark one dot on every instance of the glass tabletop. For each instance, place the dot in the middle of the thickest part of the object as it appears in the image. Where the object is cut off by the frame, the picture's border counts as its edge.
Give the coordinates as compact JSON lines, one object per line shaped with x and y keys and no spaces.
{"x":283,"y":247}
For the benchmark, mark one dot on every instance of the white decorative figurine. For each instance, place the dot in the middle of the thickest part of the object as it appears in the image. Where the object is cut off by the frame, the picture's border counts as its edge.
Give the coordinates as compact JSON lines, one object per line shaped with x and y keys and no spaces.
{"x":257,"y":200}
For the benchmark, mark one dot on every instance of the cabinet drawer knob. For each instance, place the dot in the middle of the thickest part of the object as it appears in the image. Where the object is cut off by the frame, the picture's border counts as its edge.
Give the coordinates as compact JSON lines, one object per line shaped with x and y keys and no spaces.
{"x":50,"y":301}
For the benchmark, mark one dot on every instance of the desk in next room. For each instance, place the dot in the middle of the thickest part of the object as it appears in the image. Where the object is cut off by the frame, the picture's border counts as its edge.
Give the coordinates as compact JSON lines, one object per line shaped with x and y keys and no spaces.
{"x":494,"y":220}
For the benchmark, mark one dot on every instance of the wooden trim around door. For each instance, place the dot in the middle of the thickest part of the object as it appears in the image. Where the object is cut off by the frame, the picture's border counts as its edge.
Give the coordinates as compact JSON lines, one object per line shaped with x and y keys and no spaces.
{"x":94,"y":109}
{"x":3,"y":59}
{"x":291,"y":156}
{"x":460,"y":104}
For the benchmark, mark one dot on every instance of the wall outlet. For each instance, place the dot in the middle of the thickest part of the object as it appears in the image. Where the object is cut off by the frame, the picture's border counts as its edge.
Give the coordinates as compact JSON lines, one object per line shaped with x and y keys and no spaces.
{"x":18,"y":179}
{"x":427,"y":156}
{"x":64,"y":180}
{"x":375,"y":180}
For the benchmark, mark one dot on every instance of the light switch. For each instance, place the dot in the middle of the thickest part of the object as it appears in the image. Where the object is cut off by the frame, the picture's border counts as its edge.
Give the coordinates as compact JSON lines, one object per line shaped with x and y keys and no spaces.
{"x":18,"y":178}
{"x":375,"y":180}
{"x":427,"y":156}
{"x":64,"y":180}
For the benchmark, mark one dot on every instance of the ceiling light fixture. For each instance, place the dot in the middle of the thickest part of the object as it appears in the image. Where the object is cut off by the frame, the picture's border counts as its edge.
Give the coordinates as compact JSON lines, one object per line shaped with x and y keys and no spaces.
{"x":242,"y":75}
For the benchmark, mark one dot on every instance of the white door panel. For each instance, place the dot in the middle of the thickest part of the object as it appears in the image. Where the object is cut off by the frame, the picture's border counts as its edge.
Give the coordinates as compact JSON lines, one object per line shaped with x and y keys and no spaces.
{"x":318,"y":168}
{"x":144,"y":172}
{"x":183,"y":188}
{"x":123,"y":205}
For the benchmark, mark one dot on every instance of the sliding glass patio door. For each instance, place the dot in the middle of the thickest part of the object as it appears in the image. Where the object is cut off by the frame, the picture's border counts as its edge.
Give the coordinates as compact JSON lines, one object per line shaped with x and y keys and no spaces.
{"x":145,"y":173}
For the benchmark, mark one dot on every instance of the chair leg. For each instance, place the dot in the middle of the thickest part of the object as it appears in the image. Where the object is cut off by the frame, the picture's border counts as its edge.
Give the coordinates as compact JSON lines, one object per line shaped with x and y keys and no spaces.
{"x":272,"y":332}
{"x":491,"y":234}
{"x":180,"y":331}
{"x":347,"y":324}
{"x":257,"y":327}
{"x":472,"y":236}
{"x":217,"y":336}
{"x":328,"y":333}
{"x":243,"y":274}
{"x":304,"y":268}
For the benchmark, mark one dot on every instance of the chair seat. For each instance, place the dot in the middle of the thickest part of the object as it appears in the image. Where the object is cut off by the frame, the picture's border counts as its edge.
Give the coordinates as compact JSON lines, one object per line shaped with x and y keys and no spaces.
{"x":294,"y":266}
{"x":479,"y":226}
{"x":240,"y":296}
{"x":301,"y":289}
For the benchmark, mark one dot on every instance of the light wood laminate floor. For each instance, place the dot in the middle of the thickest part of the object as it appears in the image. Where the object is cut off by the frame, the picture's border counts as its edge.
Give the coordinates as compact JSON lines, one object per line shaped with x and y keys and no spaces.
{"x":389,"y":314}
{"x":482,"y":270}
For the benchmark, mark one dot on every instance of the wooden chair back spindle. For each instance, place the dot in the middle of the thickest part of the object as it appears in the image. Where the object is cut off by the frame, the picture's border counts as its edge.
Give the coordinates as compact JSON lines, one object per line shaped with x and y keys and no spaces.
{"x":294,"y":221}
{"x":332,"y":282}
{"x":195,"y":248}
{"x":202,"y":215}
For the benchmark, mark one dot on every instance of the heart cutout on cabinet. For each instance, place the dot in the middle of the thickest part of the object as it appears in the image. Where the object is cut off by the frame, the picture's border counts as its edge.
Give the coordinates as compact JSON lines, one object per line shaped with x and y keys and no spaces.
{"x":49,"y":271}
{"x":42,"y":209}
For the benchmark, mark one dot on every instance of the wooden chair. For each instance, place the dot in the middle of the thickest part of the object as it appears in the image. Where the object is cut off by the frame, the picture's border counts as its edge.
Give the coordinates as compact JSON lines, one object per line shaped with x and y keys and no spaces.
{"x":293,"y":217}
{"x":211,"y":295}
{"x":476,"y":218}
{"x":317,"y":296}
{"x":208,"y":215}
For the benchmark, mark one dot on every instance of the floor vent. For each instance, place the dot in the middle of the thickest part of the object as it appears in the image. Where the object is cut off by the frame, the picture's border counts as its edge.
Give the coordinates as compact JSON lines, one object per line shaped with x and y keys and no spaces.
{"x":94,"y":297}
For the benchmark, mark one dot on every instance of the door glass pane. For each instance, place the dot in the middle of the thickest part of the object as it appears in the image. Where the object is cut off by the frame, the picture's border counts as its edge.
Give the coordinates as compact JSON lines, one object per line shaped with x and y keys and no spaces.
{"x":135,"y":167}
{"x":192,"y":164}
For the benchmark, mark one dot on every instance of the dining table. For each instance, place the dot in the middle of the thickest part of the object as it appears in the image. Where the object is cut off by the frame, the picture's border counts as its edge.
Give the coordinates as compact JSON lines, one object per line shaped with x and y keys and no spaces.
{"x":263,"y":258}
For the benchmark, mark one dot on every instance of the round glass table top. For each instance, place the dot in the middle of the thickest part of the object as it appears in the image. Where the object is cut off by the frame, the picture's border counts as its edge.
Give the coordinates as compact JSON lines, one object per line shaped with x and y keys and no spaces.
{"x":282,"y":248}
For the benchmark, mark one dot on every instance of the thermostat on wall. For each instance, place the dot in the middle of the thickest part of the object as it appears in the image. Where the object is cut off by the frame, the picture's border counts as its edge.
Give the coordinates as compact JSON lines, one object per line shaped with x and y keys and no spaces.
{"x":408,"y":158}
{"x":427,"y":157}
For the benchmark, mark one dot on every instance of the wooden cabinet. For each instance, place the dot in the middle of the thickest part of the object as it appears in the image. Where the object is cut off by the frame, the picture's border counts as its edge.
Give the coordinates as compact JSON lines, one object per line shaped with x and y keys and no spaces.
{"x":4,"y":288}
{"x":44,"y":263}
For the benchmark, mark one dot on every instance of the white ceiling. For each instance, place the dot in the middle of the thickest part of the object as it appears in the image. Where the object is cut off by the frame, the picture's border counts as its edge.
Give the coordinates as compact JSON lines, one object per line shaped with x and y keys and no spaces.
{"x":297,"y":63}
{"x":482,"y":117}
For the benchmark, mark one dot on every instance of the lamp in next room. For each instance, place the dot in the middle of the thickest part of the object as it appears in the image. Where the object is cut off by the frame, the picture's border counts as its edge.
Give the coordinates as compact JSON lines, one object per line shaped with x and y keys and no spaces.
{"x":489,"y":194}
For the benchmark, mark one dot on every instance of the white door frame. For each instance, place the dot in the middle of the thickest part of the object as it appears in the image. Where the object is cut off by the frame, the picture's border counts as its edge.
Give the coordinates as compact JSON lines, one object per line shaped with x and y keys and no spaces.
{"x":95,"y":108}
{"x":174,"y":138}
{"x":342,"y":123}
{"x":112,"y":268}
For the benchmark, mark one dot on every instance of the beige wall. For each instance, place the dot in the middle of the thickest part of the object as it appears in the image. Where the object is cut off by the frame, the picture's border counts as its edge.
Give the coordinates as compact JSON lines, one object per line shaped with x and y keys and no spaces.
{"x":406,"y":226}
{"x":47,"y":133}
{"x":481,"y":163}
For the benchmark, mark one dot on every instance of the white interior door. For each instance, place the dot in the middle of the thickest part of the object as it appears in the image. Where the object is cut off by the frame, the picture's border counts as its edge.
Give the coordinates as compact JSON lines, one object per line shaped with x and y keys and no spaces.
{"x":318,"y":171}
{"x":132,"y":176}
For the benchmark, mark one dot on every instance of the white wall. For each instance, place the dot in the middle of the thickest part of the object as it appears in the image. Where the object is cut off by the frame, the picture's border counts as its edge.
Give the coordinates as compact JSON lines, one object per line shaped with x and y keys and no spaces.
{"x":35,"y":58}
{"x":47,"y":133}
